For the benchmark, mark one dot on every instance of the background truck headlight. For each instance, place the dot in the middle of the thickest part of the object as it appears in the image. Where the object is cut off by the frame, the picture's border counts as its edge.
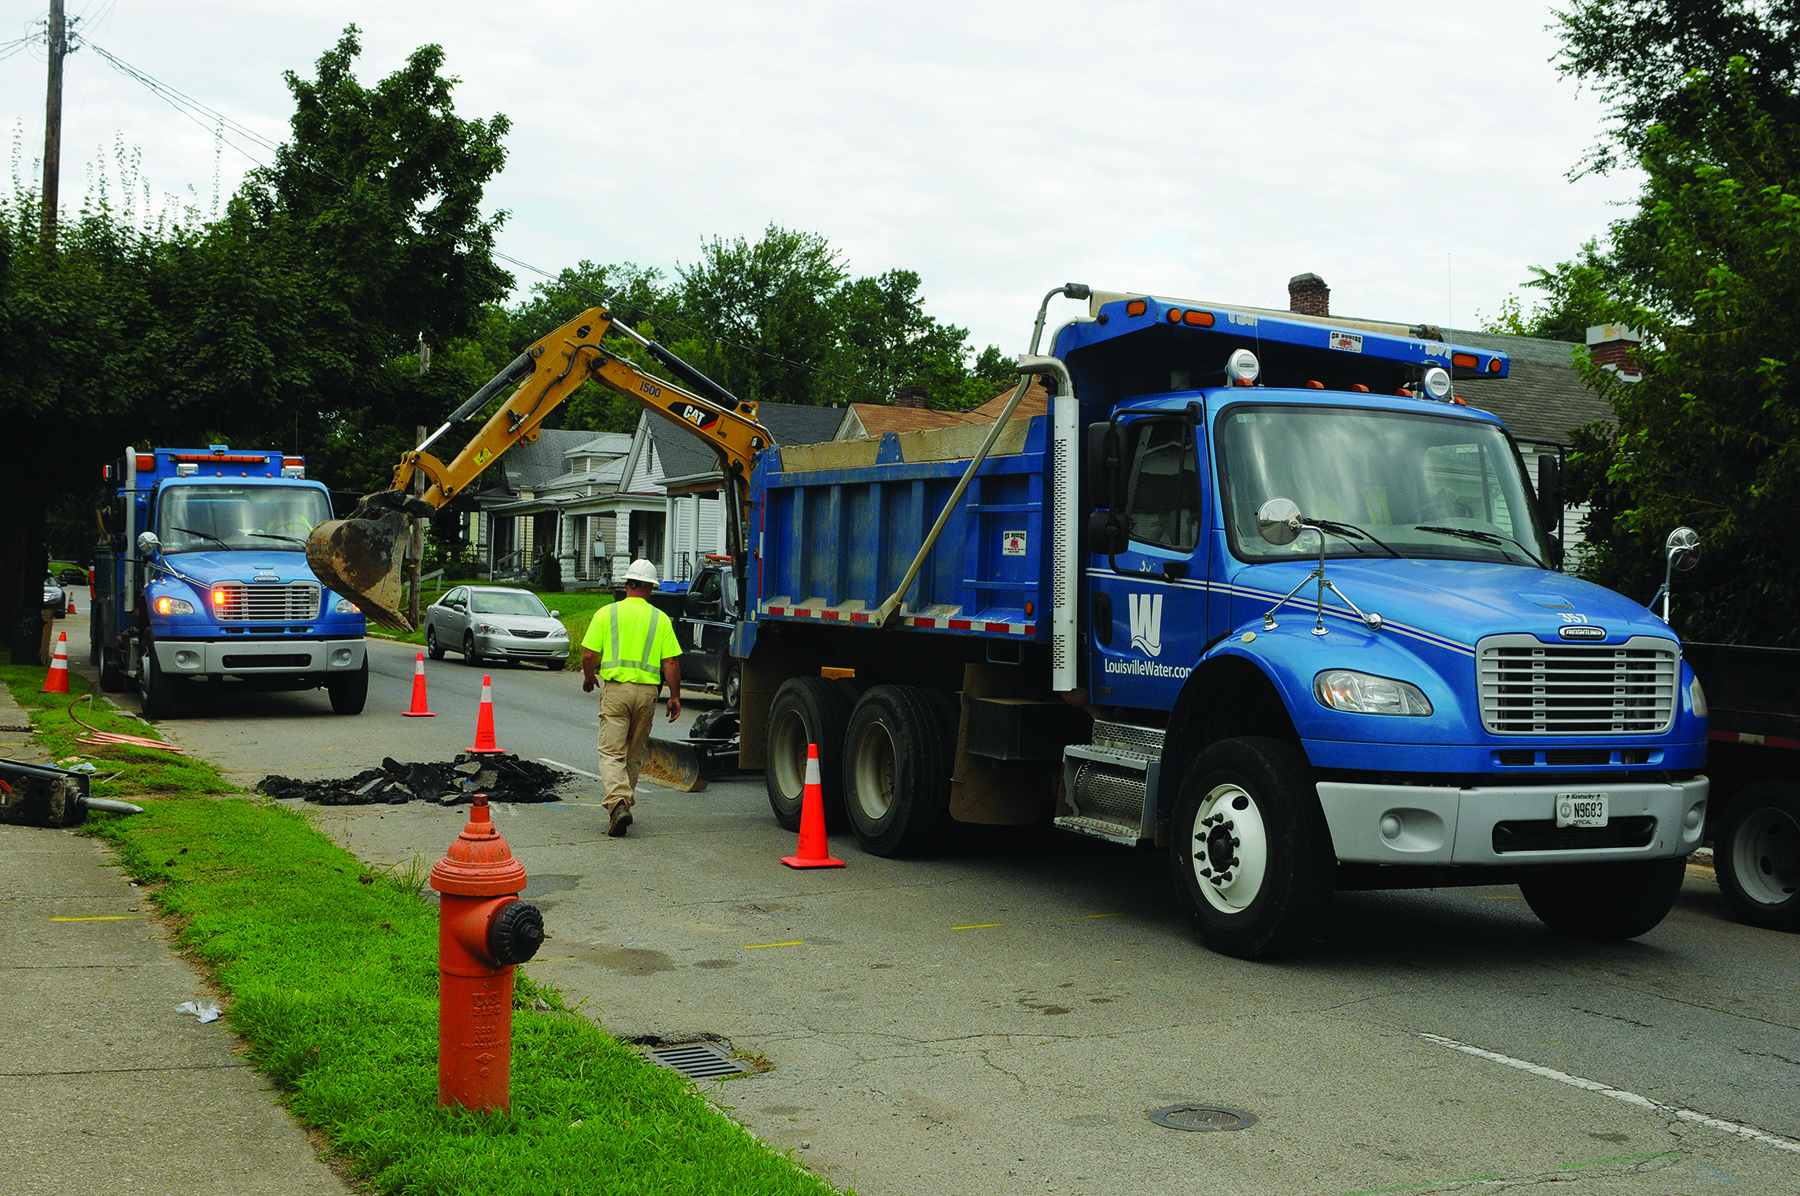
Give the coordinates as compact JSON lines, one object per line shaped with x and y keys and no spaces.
{"x":1697,"y":698}
{"x":345,"y":607}
{"x":165,"y":605}
{"x":1361,"y":693}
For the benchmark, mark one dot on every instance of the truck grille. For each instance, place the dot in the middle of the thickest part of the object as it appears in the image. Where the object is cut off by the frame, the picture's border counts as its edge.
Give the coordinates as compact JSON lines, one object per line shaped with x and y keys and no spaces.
{"x":234,"y":601}
{"x":1532,"y":688}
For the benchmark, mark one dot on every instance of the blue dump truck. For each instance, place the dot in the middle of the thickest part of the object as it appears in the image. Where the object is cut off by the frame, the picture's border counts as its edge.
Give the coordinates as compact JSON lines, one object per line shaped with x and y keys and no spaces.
{"x":201,"y":578}
{"x":1268,"y":591}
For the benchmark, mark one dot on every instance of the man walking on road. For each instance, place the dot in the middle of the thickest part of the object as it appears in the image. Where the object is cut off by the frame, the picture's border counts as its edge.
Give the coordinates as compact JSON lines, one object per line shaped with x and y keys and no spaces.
{"x":632,"y":647}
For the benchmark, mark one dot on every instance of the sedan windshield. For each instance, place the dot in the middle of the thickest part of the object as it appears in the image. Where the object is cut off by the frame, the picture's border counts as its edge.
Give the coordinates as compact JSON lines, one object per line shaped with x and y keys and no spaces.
{"x":1419,"y":485}
{"x":225,"y":518}
{"x":506,"y":602}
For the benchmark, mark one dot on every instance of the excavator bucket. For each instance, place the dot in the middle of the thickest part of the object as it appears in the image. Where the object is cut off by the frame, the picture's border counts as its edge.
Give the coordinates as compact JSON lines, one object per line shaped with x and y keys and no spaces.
{"x":676,"y":764}
{"x":362,"y":557}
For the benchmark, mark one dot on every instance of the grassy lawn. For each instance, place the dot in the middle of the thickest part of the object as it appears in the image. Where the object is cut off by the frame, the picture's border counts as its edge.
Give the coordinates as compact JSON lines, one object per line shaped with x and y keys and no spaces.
{"x":576,"y":610}
{"x":329,"y":972}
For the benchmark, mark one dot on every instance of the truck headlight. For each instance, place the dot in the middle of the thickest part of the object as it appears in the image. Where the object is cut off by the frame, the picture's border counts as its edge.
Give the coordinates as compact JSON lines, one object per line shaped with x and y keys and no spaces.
{"x":1360,"y":693}
{"x":1697,"y":696}
{"x":346,"y":607}
{"x":165,"y":605}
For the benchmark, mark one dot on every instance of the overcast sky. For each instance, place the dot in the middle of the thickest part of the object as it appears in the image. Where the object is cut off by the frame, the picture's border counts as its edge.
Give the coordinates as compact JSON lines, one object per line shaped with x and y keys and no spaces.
{"x":1412,"y":154}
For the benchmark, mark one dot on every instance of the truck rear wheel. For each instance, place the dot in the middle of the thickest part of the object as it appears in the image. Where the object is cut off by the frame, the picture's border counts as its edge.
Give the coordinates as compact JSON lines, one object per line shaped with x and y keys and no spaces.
{"x":1249,"y":849}
{"x":897,"y":771}
{"x":112,"y":677}
{"x":1605,"y":902}
{"x":806,"y":710}
{"x":349,"y":691}
{"x":156,"y":691}
{"x":1757,"y":855}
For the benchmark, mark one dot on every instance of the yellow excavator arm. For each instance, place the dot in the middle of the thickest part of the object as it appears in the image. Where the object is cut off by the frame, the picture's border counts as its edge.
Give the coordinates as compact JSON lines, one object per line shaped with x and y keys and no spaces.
{"x":361,"y":557}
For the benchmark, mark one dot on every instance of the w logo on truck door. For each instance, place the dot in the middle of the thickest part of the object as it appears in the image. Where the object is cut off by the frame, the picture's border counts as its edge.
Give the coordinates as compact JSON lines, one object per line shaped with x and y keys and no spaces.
{"x":1146,"y":623}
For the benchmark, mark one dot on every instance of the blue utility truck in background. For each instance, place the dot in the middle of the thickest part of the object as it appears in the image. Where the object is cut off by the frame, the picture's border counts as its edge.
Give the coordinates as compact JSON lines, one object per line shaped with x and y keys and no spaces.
{"x":1265,"y":589}
{"x":202,"y":578}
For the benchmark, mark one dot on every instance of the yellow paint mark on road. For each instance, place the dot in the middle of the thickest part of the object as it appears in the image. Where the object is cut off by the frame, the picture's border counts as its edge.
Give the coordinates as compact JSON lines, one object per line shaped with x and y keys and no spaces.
{"x":979,"y":926}
{"x":102,"y":918}
{"x":758,"y":946}
{"x":1102,"y":916}
{"x":555,"y":959}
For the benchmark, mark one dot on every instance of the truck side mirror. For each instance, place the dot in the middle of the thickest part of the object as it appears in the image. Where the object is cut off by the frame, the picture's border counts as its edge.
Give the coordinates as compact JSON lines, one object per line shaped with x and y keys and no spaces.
{"x":1279,"y":521}
{"x":1550,"y":490}
{"x":147,"y":543}
{"x":695,"y":605}
{"x":1683,"y":546}
{"x":1107,"y":534}
{"x":1106,"y":466}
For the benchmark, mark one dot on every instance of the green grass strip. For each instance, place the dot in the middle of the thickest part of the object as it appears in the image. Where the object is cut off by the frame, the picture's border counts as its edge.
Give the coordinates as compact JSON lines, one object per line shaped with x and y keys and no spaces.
{"x":330,"y":971}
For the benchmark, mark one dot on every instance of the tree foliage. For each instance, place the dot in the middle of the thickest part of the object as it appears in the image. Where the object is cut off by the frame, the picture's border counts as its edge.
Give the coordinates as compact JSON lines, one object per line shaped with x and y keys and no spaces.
{"x":1577,"y":294}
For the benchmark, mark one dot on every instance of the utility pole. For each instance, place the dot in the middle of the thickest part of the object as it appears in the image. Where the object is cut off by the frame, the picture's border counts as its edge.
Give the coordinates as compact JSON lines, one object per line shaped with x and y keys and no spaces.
{"x":59,"y":46}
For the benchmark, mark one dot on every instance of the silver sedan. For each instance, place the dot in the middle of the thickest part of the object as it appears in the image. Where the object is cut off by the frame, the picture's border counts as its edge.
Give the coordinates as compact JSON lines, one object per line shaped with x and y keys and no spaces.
{"x":492,"y":623}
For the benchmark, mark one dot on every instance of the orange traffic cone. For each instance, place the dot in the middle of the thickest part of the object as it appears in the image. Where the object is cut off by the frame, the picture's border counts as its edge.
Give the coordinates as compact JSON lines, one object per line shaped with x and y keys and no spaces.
{"x":57,"y":681}
{"x":71,"y":609}
{"x":484,"y":721}
{"x":419,"y":708}
{"x":811,"y":853}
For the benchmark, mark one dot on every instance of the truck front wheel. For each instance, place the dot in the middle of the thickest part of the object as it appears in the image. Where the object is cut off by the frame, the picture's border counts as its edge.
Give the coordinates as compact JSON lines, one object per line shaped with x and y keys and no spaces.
{"x":806,"y":710}
{"x":897,"y":771}
{"x":1249,"y":849}
{"x":1757,"y":855}
{"x":349,"y":691}
{"x":156,"y":692}
{"x":1605,"y":902}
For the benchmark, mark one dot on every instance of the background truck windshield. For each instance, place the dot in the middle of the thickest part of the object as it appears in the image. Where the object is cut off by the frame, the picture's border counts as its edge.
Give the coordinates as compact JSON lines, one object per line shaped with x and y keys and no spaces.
{"x":217,"y":518}
{"x":506,"y":602}
{"x":1424,"y":485}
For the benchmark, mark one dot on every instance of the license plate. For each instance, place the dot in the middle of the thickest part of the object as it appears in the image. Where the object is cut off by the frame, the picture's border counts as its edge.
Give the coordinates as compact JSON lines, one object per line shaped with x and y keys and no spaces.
{"x":1581,"y":809}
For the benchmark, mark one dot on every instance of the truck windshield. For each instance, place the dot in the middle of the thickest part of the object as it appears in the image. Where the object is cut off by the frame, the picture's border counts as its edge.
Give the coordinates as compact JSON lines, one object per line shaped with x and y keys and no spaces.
{"x":221,"y":518}
{"x":1424,"y":485}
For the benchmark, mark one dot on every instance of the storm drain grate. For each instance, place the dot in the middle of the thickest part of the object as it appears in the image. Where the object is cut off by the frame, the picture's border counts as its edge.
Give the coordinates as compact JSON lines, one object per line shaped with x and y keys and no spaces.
{"x":698,"y":1061}
{"x":1202,"y":1117}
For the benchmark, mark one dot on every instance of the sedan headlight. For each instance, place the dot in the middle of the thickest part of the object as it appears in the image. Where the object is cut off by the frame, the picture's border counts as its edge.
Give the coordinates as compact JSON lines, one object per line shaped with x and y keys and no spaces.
{"x":1697,"y":696}
{"x":346,"y":607}
{"x":559,"y":633}
{"x":165,"y":605}
{"x":1360,"y":693}
{"x":491,"y":629}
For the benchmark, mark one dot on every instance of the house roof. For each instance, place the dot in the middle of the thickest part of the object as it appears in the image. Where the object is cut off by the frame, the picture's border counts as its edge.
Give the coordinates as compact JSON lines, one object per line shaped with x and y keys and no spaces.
{"x":687,"y":457}
{"x":1035,"y":402}
{"x":877,"y":419}
{"x":1542,"y":397}
{"x":602,"y":444}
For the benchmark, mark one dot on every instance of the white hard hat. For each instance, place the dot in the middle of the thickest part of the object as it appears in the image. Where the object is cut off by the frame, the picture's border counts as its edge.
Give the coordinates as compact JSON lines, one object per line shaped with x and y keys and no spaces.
{"x":641,"y":571}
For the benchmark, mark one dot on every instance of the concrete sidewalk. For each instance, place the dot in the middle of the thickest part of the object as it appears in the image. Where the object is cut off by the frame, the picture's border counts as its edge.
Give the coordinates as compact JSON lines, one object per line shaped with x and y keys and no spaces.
{"x":103,"y":1086}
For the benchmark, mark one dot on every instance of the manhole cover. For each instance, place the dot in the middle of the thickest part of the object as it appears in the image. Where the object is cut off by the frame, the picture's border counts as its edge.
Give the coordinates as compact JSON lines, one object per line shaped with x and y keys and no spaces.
{"x":1202,"y":1117}
{"x":698,"y":1061}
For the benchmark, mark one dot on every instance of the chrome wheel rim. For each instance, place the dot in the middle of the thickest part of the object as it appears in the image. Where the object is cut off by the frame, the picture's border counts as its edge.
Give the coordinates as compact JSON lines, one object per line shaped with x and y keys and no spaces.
{"x":1766,"y":856}
{"x":873,"y":768}
{"x":1230,"y":845}
{"x":787,"y":755}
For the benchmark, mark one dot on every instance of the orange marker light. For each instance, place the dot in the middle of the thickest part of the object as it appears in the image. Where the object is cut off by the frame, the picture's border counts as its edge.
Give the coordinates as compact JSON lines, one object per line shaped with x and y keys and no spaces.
{"x":1030,"y":608}
{"x":1465,"y":361}
{"x":1359,"y":388}
{"x":1174,"y":315}
{"x":218,"y":597}
{"x":1315,"y":385}
{"x":146,"y":463}
{"x":1494,"y":366}
{"x":1136,"y":307}
{"x":164,"y":605}
{"x":1198,"y":319}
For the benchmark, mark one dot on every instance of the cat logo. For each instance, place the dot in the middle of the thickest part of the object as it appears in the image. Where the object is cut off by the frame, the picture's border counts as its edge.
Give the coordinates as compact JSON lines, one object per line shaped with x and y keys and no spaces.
{"x":698,"y":416}
{"x":1146,"y":623}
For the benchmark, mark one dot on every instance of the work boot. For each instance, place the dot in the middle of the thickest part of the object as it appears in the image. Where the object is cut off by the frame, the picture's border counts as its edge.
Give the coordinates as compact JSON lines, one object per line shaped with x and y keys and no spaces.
{"x":617,"y":821}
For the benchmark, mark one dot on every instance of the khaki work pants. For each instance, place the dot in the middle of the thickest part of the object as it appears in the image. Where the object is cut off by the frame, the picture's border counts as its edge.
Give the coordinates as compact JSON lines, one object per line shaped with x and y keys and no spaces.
{"x":627,"y":709}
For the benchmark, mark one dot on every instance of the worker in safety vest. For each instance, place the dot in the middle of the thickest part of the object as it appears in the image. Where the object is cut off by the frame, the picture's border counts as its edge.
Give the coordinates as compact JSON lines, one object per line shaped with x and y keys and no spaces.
{"x":631,"y":646}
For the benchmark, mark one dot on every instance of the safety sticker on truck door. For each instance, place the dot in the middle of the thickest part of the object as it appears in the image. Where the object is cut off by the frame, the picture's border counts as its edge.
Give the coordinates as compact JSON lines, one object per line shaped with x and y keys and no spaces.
{"x":1012,"y":543}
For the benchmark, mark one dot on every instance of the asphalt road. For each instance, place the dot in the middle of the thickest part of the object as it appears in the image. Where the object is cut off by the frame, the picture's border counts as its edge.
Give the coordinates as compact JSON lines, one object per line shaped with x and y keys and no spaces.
{"x":1002,"y":1017}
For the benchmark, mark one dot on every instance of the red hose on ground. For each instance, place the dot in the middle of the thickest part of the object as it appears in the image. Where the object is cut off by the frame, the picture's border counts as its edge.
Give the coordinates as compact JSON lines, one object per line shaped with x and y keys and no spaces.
{"x":98,"y":738}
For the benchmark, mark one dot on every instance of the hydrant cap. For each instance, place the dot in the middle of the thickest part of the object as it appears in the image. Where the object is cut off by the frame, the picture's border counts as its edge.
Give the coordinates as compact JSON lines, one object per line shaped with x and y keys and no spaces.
{"x":479,"y":863}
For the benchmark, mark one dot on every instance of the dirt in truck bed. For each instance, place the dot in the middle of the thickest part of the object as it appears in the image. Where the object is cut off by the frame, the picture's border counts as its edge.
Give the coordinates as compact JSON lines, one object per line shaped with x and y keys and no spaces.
{"x":447,"y":783}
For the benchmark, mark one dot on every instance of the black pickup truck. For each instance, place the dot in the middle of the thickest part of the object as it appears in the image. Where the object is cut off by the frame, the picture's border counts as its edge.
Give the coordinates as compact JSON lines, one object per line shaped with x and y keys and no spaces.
{"x":704,"y":617}
{"x":1753,"y":759}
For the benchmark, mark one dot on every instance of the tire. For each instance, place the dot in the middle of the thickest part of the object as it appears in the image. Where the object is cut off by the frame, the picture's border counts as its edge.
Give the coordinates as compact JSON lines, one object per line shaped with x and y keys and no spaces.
{"x":1605,"y":902}
{"x":897,"y":771}
{"x":433,"y":649}
{"x":732,"y":687}
{"x":156,"y":690}
{"x":112,"y":677}
{"x":805,"y":710}
{"x":350,"y":692}
{"x":557,"y":666}
{"x":468,"y":649}
{"x":1249,"y":849}
{"x":1757,"y":855}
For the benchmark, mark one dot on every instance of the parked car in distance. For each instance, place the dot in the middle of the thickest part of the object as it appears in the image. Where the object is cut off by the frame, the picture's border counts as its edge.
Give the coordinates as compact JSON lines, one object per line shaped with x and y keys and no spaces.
{"x":55,"y":596}
{"x":73,"y":577}
{"x":495,"y":623}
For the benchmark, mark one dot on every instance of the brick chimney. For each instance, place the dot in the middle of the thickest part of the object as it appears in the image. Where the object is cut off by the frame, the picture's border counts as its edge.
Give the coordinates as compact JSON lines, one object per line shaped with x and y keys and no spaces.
{"x":909,"y":396}
{"x":1614,"y":346}
{"x":1308,"y":295}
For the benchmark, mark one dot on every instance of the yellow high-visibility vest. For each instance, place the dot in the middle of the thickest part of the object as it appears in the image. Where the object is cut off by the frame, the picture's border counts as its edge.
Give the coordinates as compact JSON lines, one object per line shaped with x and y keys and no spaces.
{"x":631,"y":626}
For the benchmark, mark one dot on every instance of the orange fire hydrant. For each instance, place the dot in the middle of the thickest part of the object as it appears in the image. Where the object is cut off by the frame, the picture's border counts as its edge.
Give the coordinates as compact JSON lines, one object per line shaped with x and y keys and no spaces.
{"x":483,"y":930}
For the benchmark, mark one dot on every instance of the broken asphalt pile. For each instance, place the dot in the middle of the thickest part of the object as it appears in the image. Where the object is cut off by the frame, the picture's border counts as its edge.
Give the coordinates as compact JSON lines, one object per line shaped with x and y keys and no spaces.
{"x":503,"y":778}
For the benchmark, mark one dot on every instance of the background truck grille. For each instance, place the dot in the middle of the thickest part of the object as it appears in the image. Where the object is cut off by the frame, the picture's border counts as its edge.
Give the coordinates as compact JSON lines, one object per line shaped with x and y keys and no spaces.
{"x":1532,"y":688}
{"x":234,"y":600}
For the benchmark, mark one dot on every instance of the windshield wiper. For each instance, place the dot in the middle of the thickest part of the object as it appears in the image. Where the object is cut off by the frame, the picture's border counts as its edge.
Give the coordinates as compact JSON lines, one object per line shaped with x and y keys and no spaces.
{"x":1469,"y":533}
{"x":188,"y":531}
{"x":275,"y":536}
{"x":1352,"y":533}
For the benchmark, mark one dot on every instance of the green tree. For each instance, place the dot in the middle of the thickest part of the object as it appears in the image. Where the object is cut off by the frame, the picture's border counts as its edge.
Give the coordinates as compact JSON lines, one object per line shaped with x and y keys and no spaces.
{"x":886,"y":340}
{"x":1578,"y":294}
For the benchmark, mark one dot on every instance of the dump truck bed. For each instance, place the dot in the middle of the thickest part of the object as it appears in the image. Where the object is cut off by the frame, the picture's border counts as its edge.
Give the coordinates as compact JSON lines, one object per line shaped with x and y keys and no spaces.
{"x":838,"y":524}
